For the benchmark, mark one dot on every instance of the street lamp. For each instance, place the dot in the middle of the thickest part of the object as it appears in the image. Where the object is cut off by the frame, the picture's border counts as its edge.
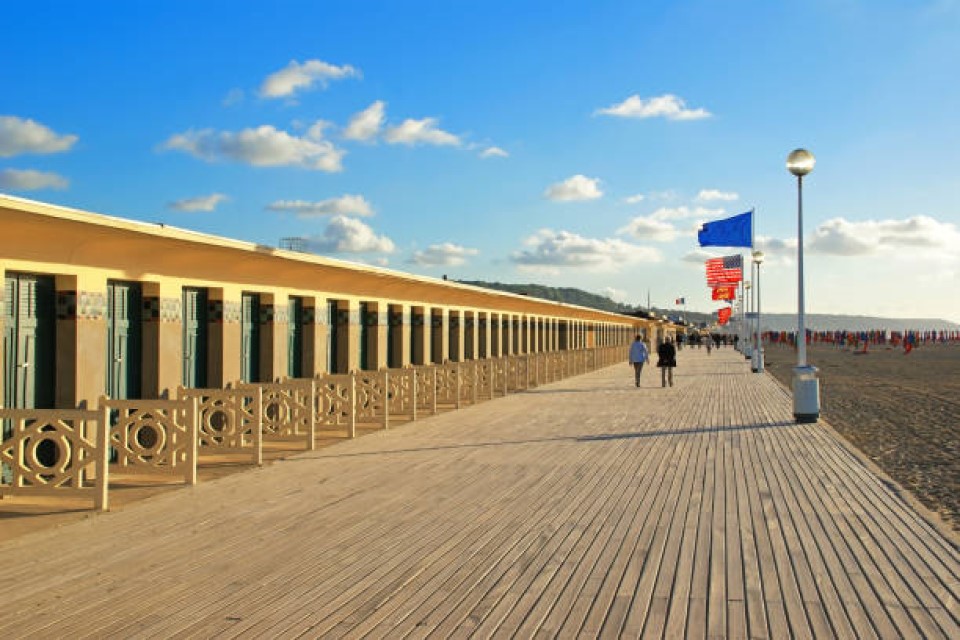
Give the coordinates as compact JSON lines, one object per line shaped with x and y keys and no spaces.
{"x":745,"y":317}
{"x":758,"y":349}
{"x":806,"y":387}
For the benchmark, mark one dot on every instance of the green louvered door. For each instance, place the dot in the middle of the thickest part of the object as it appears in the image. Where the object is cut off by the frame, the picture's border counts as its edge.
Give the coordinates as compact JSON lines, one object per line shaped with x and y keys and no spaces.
{"x":29,"y":335}
{"x":295,"y":338}
{"x":332,"y":336}
{"x":124,"y":353}
{"x":194,"y":337}
{"x":364,"y":333}
{"x":250,"y":338}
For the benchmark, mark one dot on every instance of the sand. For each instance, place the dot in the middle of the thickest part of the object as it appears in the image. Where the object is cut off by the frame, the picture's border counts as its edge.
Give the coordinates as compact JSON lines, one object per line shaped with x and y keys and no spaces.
{"x":902,"y":411}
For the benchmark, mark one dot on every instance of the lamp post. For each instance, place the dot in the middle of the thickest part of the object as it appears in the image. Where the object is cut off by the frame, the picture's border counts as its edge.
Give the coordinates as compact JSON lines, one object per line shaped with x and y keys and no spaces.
{"x":745,"y":324}
{"x":806,"y":387}
{"x":758,"y":347}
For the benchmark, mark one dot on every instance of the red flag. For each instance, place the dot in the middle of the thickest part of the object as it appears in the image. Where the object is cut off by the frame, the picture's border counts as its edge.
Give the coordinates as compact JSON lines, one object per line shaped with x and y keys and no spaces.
{"x":724,"y":292}
{"x":725,"y":270}
{"x":723,"y":315}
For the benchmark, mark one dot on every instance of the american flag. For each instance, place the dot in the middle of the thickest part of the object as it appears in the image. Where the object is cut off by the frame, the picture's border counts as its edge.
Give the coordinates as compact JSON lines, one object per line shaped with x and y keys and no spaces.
{"x":725,"y":270}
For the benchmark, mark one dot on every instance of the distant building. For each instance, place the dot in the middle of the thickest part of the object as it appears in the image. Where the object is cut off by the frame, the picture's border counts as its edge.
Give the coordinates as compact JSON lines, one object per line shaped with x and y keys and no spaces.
{"x":294,"y":243}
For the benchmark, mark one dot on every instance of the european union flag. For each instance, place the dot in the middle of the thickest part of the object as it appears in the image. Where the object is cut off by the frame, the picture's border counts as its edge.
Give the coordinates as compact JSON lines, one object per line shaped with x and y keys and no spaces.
{"x":730,"y":232}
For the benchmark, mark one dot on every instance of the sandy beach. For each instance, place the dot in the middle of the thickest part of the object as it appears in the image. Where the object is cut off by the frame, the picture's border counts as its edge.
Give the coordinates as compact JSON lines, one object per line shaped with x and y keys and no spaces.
{"x":902,"y":411}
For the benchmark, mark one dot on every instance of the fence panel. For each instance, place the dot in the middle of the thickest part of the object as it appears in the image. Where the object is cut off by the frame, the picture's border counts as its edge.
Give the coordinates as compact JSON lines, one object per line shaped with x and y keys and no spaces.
{"x":485,"y":379}
{"x":50,"y":452}
{"x":402,"y":395}
{"x":448,"y":379}
{"x":154,"y":437}
{"x":426,"y":377}
{"x":230,"y":420}
{"x":334,"y":403}
{"x":371,"y":404}
{"x":468,"y":381}
{"x":287,"y":411}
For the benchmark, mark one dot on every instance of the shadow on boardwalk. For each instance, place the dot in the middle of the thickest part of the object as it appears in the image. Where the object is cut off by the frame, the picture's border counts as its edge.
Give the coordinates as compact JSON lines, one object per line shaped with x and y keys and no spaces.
{"x":583,"y":438}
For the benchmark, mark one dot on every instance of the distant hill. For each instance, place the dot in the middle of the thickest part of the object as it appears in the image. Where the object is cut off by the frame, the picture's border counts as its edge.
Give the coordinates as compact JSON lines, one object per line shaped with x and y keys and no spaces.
{"x":770,"y":321}
{"x":567,"y":295}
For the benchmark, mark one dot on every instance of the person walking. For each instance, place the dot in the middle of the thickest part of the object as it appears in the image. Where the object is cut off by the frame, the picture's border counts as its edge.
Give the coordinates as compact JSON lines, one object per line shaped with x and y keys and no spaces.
{"x":638,"y":355}
{"x":667,"y":360}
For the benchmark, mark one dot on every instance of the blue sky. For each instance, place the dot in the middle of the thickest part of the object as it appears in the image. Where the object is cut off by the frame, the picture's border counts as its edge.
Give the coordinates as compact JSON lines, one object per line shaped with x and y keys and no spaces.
{"x":565,"y":143}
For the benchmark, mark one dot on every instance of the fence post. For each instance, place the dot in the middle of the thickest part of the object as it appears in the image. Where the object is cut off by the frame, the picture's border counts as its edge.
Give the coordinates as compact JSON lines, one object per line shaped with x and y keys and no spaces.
{"x":353,"y":405}
{"x":434,"y":402}
{"x":456,"y":370}
{"x":386,"y":400}
{"x":101,"y":500}
{"x":258,"y":425}
{"x":193,"y":435}
{"x":312,"y":414}
{"x":413,"y":393}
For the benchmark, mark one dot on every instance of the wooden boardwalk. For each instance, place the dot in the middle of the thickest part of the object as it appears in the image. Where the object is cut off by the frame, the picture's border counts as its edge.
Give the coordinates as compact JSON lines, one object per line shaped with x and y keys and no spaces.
{"x":585,"y":507}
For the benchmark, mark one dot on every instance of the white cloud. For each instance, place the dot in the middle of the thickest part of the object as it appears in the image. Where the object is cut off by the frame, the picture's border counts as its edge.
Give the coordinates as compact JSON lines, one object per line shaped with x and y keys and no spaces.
{"x":233,"y":97}
{"x":708,"y":195}
{"x":667,"y":106}
{"x":295,"y":77}
{"x":443,"y":255}
{"x":344,"y":205}
{"x":413,"y":132}
{"x":494,"y":152}
{"x":263,"y":146}
{"x":349,"y":235}
{"x":549,"y":248}
{"x":31,"y":180}
{"x":649,"y":229}
{"x":697,"y":256}
{"x":200,"y":203}
{"x":685,"y":213}
{"x":617,"y":295}
{"x":367,"y":123}
{"x":634,"y":199}
{"x":844,"y":238}
{"x":578,"y":187}
{"x":19,"y":135}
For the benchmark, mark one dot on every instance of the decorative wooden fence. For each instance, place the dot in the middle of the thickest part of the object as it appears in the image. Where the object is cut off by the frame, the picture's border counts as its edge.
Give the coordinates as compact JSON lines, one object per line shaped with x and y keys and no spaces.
{"x":68,"y":451}
{"x":55,"y":451}
{"x":230,"y":420}
{"x":154,"y":437}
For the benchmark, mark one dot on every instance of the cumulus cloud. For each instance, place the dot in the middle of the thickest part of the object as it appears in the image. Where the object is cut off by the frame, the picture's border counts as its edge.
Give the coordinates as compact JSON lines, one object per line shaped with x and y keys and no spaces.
{"x":494,"y":152}
{"x":344,"y":205}
{"x":617,"y":295}
{"x":649,"y":228}
{"x":367,"y":123}
{"x":443,"y":255}
{"x":697,"y":256}
{"x":578,"y":187}
{"x":296,"y":77}
{"x":685,"y":213}
{"x":634,"y":199}
{"x":263,"y":146}
{"x":349,"y":235}
{"x":19,"y":135}
{"x":200,"y":203}
{"x":548,"y":248}
{"x":708,"y":195}
{"x":666,"y":106}
{"x":775,"y":245}
{"x":31,"y":180}
{"x":845,"y":238}
{"x":413,"y":132}
{"x":233,"y":98}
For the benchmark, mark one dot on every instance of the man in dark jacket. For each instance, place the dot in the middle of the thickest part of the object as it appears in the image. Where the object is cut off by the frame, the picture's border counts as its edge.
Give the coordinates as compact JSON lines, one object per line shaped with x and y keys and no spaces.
{"x":667,"y":355}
